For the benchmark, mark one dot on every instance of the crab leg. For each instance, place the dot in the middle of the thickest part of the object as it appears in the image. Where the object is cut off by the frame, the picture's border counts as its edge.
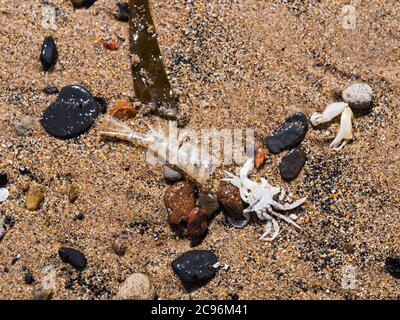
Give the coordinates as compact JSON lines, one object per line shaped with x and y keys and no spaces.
{"x":267,"y":230}
{"x":287,"y":219}
{"x":288,"y":206}
{"x":330,"y":112}
{"x":345,"y":134}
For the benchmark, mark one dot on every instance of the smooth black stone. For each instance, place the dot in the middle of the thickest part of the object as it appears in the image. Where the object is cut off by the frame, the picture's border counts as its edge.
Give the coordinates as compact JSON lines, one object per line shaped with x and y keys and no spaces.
{"x":393,"y":266}
{"x":195,"y":267}
{"x":82,"y":3}
{"x":74,"y":257}
{"x":51,"y":90}
{"x":3,"y":179}
{"x":49,"y":53}
{"x":123,"y":12}
{"x":72,"y":114}
{"x":290,"y":134}
{"x":29,"y":279}
{"x":101,"y":104}
{"x":291,"y":164}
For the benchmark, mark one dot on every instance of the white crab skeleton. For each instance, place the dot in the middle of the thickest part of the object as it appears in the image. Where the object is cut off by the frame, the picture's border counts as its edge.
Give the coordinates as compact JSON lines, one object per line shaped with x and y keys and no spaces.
{"x":345,"y":134}
{"x":259,"y":196}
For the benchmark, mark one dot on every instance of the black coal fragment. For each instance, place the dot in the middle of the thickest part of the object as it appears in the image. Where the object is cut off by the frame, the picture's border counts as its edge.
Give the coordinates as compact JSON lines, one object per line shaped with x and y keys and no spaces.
{"x":291,"y":164}
{"x":393,"y":266}
{"x":73,"y":257}
{"x":195,"y":267}
{"x":123,"y":12}
{"x":51,"y":90}
{"x":290,"y":134}
{"x":49,"y":53}
{"x":72,"y":114}
{"x":3,"y":179}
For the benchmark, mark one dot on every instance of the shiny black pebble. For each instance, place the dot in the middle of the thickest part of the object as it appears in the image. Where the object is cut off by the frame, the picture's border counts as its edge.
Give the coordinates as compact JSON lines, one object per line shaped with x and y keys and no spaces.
{"x":123,"y":12}
{"x":290,"y":134}
{"x":49,"y":53}
{"x":72,"y":114}
{"x":3,"y":179}
{"x":393,"y":266}
{"x":73,"y":257}
{"x":195,"y":267}
{"x":291,"y":164}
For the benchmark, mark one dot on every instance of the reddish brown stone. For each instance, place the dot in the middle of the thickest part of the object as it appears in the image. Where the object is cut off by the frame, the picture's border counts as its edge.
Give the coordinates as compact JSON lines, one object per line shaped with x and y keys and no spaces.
{"x":229,"y":198}
{"x":197,"y":224}
{"x":111,"y":44}
{"x":179,"y":200}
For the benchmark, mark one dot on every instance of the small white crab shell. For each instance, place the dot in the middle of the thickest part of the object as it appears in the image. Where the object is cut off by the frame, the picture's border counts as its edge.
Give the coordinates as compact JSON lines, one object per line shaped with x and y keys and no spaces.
{"x":260,"y":197}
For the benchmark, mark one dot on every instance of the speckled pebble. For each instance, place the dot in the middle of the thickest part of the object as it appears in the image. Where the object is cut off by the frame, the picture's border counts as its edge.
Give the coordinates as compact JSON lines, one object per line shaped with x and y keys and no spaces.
{"x":137,"y":286}
{"x":194,"y":268}
{"x":179,"y":200}
{"x":358,"y":96}
{"x":230,"y":200}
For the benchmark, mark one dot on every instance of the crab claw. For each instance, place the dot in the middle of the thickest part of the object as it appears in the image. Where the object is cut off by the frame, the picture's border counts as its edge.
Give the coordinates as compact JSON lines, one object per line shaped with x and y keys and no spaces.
{"x":331,"y":111}
{"x":247,"y":168}
{"x":345,"y":134}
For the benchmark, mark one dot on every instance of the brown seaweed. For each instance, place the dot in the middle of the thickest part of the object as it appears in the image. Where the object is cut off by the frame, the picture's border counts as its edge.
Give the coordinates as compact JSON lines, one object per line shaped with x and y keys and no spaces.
{"x":149,"y":77}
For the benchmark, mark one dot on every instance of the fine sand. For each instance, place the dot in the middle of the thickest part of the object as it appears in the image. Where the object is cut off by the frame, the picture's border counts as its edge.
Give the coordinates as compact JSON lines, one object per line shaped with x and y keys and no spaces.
{"x":234,"y":64}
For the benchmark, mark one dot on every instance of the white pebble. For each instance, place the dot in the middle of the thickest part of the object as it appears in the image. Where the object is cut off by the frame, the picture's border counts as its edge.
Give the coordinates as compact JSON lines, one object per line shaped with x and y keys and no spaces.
{"x":358,"y":96}
{"x":4,"y":194}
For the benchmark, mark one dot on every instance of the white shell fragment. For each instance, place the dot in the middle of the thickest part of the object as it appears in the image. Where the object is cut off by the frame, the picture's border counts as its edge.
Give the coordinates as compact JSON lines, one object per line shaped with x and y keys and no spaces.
{"x":330,"y":112}
{"x":259,"y":196}
{"x":4,"y":194}
{"x":345,"y":132}
{"x":358,"y":96}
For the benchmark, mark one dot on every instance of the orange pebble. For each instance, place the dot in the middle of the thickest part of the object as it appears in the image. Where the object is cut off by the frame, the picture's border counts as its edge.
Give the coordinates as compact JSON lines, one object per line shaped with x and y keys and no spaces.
{"x":260,"y":157}
{"x":123,"y":110}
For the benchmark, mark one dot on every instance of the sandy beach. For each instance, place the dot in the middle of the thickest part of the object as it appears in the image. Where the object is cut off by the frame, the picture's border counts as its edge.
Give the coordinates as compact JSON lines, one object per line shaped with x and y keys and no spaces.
{"x":233,"y":64}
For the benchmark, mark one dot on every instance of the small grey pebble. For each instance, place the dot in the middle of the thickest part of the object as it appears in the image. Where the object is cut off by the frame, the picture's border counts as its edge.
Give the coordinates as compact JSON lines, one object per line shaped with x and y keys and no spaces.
{"x":21,"y":130}
{"x":41,"y":294}
{"x":2,"y":230}
{"x":208,"y":202}
{"x":172,"y":174}
{"x":358,"y":96}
